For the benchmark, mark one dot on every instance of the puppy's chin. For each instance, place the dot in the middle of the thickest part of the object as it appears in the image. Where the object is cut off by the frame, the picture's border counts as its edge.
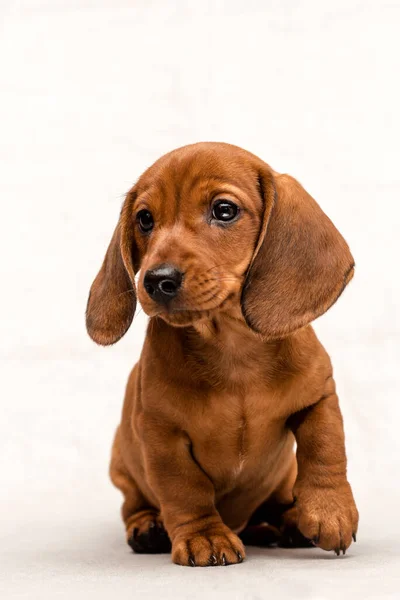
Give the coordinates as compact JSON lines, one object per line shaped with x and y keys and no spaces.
{"x":181,"y":318}
{"x":184,"y":318}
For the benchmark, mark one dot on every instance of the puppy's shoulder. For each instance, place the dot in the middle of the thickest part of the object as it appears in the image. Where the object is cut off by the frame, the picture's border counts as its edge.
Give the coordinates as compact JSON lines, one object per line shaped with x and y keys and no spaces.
{"x":304,"y":369}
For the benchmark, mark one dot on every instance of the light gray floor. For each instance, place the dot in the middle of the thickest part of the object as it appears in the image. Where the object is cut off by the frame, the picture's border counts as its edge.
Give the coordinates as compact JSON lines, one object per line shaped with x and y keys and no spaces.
{"x":86,"y":557}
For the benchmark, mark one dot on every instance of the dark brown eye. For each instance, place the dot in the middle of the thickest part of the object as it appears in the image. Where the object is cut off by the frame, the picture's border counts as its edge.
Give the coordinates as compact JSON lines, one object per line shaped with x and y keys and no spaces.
{"x":224,"y":210}
{"x":145,"y":220}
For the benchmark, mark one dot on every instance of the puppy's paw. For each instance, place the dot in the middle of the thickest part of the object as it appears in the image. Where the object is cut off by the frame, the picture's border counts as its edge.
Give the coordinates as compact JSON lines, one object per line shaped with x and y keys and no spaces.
{"x":218,"y":546}
{"x":146,"y":534}
{"x":328,"y":517}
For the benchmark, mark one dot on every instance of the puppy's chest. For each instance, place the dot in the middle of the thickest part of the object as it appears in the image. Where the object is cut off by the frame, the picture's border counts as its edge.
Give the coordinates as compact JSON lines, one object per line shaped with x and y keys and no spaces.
{"x":234,"y":433}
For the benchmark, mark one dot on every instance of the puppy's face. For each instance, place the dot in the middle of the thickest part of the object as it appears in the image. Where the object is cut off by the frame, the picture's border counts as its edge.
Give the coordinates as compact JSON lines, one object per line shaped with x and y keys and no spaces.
{"x":211,"y":227}
{"x":196,"y":225}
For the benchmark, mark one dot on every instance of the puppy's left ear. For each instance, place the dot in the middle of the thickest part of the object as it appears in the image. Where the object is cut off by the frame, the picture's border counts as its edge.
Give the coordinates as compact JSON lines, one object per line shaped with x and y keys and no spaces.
{"x":112,"y":299}
{"x":301,"y":264}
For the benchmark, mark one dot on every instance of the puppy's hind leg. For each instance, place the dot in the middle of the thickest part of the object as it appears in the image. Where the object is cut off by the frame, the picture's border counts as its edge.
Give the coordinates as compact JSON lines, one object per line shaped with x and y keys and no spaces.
{"x":145,"y":531}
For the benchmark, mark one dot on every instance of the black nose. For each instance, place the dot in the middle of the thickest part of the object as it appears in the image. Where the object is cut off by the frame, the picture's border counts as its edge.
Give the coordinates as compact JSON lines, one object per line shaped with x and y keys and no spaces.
{"x":162,"y":283}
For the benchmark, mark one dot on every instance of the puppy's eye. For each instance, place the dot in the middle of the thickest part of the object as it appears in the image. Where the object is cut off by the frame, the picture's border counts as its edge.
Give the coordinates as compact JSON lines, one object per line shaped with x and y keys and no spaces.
{"x":145,"y":220}
{"x":224,"y":210}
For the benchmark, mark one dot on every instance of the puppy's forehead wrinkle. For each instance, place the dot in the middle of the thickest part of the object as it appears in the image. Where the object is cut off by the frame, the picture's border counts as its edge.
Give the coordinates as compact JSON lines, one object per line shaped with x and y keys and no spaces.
{"x":204,"y":181}
{"x":184,"y":169}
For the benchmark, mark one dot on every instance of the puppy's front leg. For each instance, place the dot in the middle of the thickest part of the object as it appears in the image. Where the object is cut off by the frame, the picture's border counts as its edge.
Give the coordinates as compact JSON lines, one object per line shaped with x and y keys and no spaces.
{"x":186,"y":496}
{"x":327,"y":513}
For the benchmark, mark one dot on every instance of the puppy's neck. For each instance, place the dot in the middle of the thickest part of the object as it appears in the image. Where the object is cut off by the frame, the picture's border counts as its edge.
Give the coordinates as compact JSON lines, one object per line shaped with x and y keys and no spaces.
{"x":228,"y":331}
{"x":227,"y":341}
{"x":224,"y":352}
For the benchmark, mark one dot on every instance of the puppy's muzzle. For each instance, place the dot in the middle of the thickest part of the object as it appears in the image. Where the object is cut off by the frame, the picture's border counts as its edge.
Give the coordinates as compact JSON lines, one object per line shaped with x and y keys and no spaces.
{"x":163,"y":283}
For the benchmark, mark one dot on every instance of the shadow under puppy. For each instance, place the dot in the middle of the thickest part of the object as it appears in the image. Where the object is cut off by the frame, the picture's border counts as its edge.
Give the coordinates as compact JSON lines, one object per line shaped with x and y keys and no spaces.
{"x":235,"y":261}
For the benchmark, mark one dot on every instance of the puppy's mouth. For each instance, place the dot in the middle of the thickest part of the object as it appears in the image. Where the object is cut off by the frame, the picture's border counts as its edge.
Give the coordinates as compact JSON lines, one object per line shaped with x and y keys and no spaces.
{"x":185,"y":312}
{"x":182,"y":310}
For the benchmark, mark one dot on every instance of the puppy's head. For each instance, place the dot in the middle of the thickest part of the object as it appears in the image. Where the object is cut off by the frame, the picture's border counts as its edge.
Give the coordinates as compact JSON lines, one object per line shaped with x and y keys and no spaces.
{"x":211,"y":226}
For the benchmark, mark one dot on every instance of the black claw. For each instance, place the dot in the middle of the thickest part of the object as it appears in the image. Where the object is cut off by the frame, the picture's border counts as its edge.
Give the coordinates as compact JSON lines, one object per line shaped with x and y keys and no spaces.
{"x":223,"y":560}
{"x":337,"y":551}
{"x":191,"y":561}
{"x":354,"y":537}
{"x":213,"y":560}
{"x":240,"y":557}
{"x":315,"y":540}
{"x":152,"y":525}
{"x":344,"y":550}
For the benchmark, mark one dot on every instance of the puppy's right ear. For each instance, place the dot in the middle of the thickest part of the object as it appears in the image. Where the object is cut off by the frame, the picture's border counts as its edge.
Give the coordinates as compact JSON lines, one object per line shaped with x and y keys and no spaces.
{"x":301,"y":264}
{"x":112,"y":298}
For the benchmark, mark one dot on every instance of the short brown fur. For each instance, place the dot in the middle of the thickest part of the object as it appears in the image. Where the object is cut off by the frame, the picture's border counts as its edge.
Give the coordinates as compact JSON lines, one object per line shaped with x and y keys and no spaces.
{"x":231,"y":373}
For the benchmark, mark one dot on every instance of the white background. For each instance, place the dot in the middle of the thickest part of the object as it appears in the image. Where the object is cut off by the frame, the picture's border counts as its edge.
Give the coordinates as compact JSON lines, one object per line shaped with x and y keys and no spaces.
{"x":91,"y":93}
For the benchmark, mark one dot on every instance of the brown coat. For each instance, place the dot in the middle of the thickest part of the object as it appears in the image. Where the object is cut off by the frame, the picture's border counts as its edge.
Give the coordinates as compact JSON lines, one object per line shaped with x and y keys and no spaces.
{"x":231,"y":373}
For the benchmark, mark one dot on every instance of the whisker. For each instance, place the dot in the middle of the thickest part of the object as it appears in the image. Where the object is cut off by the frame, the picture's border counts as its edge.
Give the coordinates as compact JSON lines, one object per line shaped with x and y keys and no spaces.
{"x":211,"y":291}
{"x":138,"y":312}
{"x":210,"y":299}
{"x":216,"y":267}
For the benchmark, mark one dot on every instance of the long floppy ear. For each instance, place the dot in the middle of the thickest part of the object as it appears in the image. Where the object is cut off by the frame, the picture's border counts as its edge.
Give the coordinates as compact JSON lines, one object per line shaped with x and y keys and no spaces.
{"x":112,"y":298}
{"x":301,"y":264}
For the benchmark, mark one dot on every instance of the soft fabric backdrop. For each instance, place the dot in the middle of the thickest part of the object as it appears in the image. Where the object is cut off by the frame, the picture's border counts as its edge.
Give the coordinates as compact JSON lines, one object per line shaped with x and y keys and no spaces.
{"x":91,"y":93}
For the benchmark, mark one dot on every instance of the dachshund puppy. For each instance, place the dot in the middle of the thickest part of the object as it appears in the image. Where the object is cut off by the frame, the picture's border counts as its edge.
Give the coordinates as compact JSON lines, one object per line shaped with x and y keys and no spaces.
{"x":234,"y":261}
